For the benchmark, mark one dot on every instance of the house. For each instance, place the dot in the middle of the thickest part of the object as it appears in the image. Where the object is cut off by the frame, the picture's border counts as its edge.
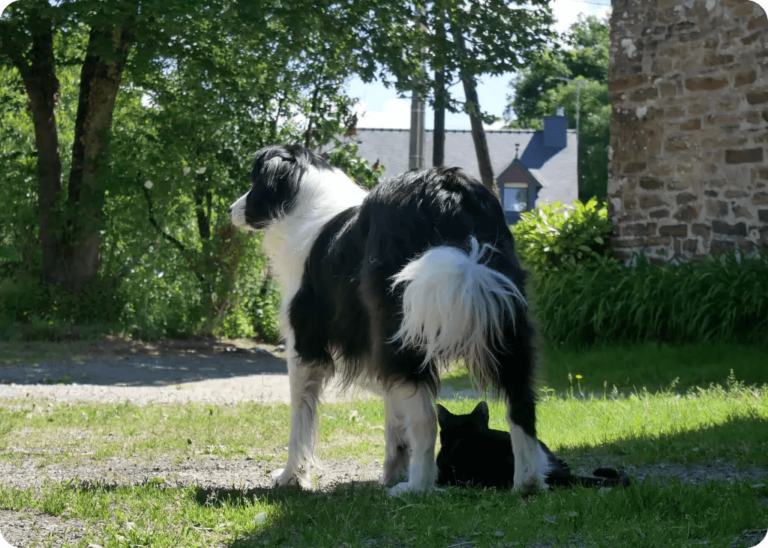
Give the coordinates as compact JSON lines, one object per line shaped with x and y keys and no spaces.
{"x":531,"y":166}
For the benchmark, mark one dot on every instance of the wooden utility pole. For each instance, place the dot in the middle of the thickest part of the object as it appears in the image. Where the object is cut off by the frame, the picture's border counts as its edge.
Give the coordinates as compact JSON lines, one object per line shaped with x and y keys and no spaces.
{"x":418,"y":132}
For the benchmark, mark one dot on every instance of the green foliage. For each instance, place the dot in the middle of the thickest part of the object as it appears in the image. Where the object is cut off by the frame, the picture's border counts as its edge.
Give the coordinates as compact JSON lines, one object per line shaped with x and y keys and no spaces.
{"x":344,"y":157}
{"x":539,"y":91}
{"x":199,"y":96}
{"x":554,"y":238}
{"x":38,"y":311}
{"x":719,"y":298}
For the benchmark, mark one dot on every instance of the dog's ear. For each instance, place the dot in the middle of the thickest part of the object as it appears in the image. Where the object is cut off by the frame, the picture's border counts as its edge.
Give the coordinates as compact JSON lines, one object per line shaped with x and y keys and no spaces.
{"x":443,"y":415}
{"x":481,"y":413}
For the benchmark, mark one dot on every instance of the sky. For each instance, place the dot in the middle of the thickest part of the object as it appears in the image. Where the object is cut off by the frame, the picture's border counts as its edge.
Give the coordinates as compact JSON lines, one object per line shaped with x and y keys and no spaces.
{"x":380,"y":107}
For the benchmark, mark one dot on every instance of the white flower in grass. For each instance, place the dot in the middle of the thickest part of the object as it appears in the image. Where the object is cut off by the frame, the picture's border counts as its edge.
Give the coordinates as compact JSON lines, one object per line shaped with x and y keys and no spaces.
{"x":148,"y":184}
{"x":187,"y":170}
{"x":200,"y":170}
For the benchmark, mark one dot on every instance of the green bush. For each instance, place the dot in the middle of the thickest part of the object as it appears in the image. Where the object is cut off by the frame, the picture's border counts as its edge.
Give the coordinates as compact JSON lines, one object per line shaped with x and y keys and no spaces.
{"x":555,"y":237}
{"x":33,"y":310}
{"x":719,"y":298}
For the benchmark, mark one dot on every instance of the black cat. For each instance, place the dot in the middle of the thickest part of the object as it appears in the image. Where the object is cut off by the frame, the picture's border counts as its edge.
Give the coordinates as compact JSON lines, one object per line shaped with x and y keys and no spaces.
{"x":473,"y":454}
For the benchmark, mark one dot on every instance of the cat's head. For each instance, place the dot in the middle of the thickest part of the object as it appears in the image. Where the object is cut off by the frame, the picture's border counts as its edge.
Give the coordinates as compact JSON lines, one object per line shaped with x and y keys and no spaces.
{"x":454,"y":427}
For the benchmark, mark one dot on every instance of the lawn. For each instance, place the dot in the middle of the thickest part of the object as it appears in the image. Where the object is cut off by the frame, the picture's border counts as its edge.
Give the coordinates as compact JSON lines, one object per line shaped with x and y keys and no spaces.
{"x":587,"y":421}
{"x":651,"y":366}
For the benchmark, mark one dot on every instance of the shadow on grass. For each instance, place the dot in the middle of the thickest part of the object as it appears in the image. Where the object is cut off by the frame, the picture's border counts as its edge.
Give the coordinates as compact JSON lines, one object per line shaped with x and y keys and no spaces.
{"x":653,"y":366}
{"x":741,"y":443}
{"x":631,"y":368}
{"x":732,"y":453}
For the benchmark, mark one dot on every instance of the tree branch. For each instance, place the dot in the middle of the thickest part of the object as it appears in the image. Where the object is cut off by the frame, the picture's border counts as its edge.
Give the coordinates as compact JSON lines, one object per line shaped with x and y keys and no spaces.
{"x":176,"y":243}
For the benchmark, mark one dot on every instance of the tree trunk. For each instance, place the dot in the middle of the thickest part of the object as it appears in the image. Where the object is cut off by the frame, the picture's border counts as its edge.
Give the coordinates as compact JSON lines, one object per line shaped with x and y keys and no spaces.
{"x":100,"y":79}
{"x":478,"y":136}
{"x":42,"y":86}
{"x":478,"y":132}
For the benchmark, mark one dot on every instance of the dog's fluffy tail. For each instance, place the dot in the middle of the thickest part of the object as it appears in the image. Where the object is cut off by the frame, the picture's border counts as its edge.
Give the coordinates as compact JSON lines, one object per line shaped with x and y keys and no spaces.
{"x":455,"y":307}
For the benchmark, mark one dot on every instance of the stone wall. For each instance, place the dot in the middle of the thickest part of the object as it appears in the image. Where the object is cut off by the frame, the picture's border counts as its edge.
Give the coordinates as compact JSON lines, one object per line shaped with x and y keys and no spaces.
{"x":689,"y":129}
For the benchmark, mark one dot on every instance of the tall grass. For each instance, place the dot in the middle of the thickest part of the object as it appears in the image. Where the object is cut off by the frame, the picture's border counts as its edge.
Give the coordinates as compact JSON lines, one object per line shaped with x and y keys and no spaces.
{"x":719,"y":298}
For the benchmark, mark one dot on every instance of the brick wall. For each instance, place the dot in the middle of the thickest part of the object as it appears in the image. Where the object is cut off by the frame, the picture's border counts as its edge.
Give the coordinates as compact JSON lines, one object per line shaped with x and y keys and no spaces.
{"x":689,"y":129}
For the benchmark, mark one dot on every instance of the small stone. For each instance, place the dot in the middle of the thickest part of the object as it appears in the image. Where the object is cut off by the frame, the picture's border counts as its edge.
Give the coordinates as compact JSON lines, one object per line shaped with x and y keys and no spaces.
{"x":261,"y":518}
{"x":550,"y":519}
{"x":499,"y":533}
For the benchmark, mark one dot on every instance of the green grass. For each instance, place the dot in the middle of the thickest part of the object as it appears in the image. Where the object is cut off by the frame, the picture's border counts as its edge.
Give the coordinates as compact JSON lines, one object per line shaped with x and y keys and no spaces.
{"x":650,"y":515}
{"x":644,"y":427}
{"x":631,"y":368}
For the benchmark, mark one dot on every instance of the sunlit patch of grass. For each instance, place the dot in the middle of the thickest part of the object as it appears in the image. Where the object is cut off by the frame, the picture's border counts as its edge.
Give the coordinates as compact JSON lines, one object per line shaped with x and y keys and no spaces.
{"x":641,"y":427}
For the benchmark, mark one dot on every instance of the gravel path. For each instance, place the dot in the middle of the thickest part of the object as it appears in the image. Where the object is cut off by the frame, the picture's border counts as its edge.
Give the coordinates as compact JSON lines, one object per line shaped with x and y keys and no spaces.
{"x":221,"y":378}
{"x":29,"y":528}
{"x":215,"y":378}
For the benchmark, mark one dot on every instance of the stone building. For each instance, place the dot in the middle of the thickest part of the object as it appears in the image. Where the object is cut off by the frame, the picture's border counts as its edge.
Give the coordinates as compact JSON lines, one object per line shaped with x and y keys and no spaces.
{"x":689,"y":129}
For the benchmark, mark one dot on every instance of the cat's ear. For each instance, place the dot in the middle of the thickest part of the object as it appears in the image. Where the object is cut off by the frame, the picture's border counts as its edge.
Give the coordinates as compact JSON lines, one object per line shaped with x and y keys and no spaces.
{"x":481,"y":413}
{"x":443,"y":415}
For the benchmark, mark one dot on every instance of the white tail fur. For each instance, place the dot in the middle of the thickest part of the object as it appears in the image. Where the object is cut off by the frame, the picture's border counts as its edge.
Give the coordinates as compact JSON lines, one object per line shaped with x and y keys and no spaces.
{"x":454,"y":306}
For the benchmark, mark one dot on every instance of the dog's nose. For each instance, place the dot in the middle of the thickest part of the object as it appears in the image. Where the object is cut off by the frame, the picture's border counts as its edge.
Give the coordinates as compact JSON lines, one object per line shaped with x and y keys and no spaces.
{"x":229,"y":211}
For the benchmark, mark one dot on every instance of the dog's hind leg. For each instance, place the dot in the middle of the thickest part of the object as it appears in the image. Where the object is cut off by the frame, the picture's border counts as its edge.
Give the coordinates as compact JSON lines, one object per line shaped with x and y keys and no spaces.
{"x":515,"y":372}
{"x":411,"y":405}
{"x":306,"y":384}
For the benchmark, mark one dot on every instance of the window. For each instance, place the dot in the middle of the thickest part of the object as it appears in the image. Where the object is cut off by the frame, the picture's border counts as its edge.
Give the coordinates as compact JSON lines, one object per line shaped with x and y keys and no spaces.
{"x":515,"y":198}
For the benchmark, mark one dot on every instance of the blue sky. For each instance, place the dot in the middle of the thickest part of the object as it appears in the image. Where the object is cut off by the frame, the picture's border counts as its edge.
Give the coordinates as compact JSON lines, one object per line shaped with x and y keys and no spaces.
{"x":380,"y":107}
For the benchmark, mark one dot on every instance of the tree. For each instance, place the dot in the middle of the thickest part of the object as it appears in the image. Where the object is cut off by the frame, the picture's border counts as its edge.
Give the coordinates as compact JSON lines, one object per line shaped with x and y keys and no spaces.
{"x":203,"y":86}
{"x":469,"y":39}
{"x":39,"y":38}
{"x":457,"y":40}
{"x":538,"y":92}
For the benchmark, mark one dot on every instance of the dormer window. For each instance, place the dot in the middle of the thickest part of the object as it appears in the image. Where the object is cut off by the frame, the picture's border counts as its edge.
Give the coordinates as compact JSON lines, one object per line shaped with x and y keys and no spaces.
{"x":515,"y":197}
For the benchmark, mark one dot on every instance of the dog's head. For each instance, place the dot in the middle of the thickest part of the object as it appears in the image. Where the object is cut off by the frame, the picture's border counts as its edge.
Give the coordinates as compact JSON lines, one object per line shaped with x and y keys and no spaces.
{"x":277,"y":175}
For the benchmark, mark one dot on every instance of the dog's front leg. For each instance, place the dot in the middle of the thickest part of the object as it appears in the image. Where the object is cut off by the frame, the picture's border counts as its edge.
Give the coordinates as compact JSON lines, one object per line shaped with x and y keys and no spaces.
{"x":306,"y":383}
{"x":395,"y":445}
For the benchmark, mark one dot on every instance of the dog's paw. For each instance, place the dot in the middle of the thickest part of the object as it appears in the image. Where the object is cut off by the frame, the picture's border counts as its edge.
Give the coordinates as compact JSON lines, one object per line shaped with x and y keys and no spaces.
{"x":282,"y":479}
{"x":528,"y":485}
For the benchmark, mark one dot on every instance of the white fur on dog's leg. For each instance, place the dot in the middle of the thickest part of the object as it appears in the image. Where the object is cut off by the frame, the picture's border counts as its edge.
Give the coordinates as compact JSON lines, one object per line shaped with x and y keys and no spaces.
{"x":531,"y":462}
{"x":401,"y":489}
{"x":275,"y":475}
{"x":413,"y":406}
{"x":306,"y":383}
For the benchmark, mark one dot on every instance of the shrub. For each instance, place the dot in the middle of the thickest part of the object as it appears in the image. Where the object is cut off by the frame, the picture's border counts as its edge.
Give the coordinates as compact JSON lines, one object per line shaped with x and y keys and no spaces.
{"x":718,"y":298}
{"x":555,"y":237}
{"x":345,"y":157}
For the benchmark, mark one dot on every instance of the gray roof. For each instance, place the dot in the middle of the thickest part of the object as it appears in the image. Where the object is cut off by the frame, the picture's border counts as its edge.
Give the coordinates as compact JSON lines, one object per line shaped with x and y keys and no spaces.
{"x":555,"y":169}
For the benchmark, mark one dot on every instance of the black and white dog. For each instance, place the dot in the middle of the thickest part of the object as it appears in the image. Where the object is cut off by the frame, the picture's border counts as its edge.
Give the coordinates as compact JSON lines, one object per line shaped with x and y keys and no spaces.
{"x":386,"y":288}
